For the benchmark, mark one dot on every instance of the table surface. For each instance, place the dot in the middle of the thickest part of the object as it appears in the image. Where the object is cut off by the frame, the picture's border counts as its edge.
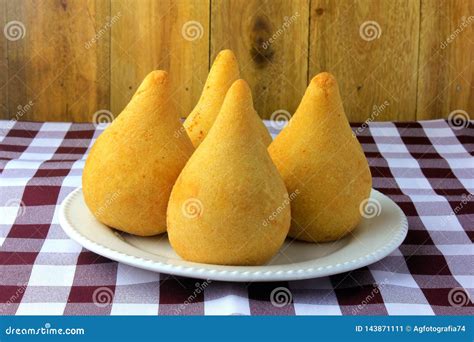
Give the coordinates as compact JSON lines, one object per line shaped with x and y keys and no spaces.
{"x":426,"y":167}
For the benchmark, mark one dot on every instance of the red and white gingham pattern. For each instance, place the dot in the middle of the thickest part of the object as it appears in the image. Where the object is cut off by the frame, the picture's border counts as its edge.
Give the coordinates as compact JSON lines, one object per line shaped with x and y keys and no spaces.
{"x":426,"y":167}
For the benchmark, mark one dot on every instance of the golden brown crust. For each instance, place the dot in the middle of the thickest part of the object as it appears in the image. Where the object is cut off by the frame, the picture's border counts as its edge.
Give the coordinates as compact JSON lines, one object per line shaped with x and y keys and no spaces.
{"x":134,"y":163}
{"x":324,"y":80}
{"x":234,"y":188}
{"x":317,"y":155}
{"x":224,"y":72}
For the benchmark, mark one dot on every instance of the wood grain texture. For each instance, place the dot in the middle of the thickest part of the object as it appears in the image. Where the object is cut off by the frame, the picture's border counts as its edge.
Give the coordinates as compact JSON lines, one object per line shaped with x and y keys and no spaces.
{"x":371,"y":47}
{"x":81,"y":56}
{"x":270,"y":40}
{"x":3,"y":63}
{"x":168,"y":35}
{"x":51,"y":67}
{"x":446,"y":58}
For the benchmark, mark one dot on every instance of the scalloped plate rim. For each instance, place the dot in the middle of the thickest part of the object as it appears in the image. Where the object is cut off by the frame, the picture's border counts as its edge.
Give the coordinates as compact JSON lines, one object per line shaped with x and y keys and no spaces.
{"x":234,"y":273}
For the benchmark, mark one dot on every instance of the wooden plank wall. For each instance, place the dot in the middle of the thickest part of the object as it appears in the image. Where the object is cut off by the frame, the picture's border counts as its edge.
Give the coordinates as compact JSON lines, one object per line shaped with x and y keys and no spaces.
{"x":50,"y":67}
{"x":63,"y":60}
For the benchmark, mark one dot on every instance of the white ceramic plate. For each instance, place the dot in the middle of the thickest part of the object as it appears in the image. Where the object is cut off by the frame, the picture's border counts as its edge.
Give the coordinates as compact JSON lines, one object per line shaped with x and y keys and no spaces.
{"x":372,"y":240}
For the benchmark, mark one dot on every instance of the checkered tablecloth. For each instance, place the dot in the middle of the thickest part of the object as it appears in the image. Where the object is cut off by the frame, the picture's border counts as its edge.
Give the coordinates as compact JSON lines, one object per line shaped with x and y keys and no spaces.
{"x":426,"y":167}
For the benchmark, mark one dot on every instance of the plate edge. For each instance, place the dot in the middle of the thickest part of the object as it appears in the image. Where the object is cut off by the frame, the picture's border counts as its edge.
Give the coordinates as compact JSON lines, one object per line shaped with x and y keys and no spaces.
{"x":223,"y":275}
